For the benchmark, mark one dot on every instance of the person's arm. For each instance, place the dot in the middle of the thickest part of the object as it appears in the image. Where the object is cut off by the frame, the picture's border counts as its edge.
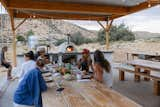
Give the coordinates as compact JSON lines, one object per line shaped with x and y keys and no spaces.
{"x":43,"y":85}
{"x":98,"y":73}
{"x":90,"y":64}
{"x":34,"y":88}
{"x":79,"y":64}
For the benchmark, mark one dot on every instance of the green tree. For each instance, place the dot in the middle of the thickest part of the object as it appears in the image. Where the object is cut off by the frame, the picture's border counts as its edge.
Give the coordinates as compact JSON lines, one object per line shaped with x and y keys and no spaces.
{"x":29,"y":33}
{"x":78,"y":39}
{"x":20,"y":38}
{"x":60,"y":41}
{"x":117,"y":33}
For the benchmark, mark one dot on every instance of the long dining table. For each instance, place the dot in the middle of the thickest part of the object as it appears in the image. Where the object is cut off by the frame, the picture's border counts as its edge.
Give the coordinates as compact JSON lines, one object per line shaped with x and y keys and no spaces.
{"x":144,"y":55}
{"x":149,"y":67}
{"x":85,"y":94}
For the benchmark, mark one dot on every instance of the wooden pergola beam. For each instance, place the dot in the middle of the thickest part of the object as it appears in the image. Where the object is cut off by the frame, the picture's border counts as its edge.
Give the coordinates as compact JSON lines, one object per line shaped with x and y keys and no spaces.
{"x":20,"y":24}
{"x":101,"y":25}
{"x":4,"y":3}
{"x":142,"y":6}
{"x":60,"y":16}
{"x":66,"y":7}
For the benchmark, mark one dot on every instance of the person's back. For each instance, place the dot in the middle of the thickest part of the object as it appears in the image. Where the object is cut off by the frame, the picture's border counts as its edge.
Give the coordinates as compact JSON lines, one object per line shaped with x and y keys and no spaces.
{"x":28,"y":93}
{"x":26,"y":67}
{"x":107,"y":78}
{"x":102,"y":69}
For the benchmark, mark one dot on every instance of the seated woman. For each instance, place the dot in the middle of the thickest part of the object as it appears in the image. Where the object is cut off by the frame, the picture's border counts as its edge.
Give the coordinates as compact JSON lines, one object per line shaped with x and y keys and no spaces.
{"x":28,"y":65}
{"x":5,"y":63}
{"x":102,"y":69}
{"x":28,"y":93}
{"x":85,"y":62}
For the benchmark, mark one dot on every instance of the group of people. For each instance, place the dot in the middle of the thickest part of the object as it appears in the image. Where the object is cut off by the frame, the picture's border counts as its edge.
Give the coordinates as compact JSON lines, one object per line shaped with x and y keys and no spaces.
{"x":31,"y":82}
{"x":101,"y":67}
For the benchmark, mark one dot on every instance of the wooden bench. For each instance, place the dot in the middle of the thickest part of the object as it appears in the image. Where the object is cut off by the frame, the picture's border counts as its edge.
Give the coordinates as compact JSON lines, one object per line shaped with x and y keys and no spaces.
{"x":131,"y":69}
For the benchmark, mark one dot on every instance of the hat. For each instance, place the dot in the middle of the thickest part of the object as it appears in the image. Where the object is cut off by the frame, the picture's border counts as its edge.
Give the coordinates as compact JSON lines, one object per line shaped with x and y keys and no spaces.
{"x":41,"y":49}
{"x":85,"y":51}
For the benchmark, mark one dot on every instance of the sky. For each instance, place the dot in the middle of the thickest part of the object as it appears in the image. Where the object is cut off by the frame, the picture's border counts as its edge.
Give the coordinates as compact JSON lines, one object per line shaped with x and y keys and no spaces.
{"x":147,"y":20}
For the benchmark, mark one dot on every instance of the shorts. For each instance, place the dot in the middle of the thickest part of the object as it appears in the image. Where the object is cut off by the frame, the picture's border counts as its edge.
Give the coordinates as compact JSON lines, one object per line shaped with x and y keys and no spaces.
{"x":18,"y":105}
{"x":6,"y":65}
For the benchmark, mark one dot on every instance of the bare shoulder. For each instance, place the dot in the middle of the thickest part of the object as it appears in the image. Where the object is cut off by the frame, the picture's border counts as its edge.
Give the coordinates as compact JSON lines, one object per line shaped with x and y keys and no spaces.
{"x":97,"y":67}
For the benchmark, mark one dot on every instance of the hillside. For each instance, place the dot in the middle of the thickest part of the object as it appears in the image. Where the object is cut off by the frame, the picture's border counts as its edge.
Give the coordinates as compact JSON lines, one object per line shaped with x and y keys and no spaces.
{"x":46,"y":29}
{"x":146,"y":35}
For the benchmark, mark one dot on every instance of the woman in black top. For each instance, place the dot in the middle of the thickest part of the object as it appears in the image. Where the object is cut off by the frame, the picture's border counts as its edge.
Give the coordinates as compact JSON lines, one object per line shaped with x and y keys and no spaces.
{"x":5,"y":63}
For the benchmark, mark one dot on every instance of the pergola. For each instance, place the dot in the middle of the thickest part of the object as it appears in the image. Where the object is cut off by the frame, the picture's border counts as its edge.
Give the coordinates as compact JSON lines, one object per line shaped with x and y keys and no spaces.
{"x":97,"y":10}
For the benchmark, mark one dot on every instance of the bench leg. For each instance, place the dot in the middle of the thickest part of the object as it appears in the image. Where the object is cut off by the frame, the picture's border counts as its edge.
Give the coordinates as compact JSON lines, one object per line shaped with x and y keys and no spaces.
{"x":121,"y":75}
{"x":137,"y":78}
{"x":147,"y":72}
{"x":157,"y":87}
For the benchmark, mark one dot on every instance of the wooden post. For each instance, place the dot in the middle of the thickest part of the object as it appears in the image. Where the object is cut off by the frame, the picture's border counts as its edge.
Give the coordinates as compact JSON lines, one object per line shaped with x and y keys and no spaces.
{"x":137,"y":78}
{"x":127,"y":56}
{"x":107,"y":40}
{"x":106,"y":29}
{"x":121,"y":75}
{"x":108,"y":26}
{"x":156,"y":87}
{"x":147,"y":72}
{"x":14,"y":39}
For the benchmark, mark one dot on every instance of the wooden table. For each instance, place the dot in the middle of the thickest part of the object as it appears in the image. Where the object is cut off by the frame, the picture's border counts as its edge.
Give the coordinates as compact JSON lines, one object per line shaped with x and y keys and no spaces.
{"x":143,"y":55}
{"x":148,"y":67}
{"x":85,"y":94}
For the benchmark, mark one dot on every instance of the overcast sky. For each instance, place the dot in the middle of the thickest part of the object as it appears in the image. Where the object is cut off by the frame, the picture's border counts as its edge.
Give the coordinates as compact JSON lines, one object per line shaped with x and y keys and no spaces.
{"x":147,"y":20}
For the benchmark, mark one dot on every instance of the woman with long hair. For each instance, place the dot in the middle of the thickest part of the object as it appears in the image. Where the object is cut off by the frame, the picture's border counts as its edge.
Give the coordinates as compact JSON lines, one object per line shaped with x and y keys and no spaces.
{"x":102,"y":69}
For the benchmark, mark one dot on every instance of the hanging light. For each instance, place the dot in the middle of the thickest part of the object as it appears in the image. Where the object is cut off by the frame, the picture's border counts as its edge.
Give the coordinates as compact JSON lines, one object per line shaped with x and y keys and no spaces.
{"x":158,"y":4}
{"x":149,"y":3}
{"x":34,"y":16}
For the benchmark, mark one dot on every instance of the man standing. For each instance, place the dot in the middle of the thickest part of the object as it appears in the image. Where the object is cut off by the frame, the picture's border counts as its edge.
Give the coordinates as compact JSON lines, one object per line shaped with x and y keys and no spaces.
{"x":5,"y":63}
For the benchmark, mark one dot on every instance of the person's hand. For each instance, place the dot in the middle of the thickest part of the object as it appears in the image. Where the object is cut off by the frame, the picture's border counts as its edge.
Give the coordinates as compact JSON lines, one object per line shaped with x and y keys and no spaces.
{"x":84,"y":72}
